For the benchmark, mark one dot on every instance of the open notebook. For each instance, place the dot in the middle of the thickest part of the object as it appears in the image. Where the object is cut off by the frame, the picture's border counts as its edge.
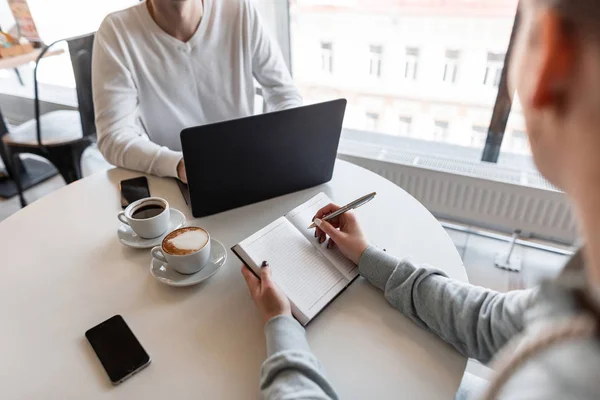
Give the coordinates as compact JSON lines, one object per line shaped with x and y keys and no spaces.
{"x":308,"y":273}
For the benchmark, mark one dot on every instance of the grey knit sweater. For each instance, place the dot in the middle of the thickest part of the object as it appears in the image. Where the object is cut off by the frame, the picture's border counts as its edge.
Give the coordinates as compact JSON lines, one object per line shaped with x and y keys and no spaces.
{"x":476,"y":321}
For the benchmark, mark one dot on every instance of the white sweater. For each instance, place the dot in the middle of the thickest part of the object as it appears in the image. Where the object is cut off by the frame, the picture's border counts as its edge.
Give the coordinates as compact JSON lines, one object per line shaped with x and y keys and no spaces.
{"x":148,"y":86}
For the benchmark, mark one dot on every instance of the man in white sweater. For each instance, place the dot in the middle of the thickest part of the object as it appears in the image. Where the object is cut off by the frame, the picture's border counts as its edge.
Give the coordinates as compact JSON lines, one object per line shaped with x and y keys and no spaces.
{"x":165,"y":65}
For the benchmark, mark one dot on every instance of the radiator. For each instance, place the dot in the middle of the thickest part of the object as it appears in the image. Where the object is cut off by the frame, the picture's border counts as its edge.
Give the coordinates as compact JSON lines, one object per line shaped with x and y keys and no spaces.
{"x":541,"y":211}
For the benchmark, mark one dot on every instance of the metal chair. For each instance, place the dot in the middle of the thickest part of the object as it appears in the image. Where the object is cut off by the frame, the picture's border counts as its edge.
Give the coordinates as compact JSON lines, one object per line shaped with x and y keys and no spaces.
{"x":58,"y":136}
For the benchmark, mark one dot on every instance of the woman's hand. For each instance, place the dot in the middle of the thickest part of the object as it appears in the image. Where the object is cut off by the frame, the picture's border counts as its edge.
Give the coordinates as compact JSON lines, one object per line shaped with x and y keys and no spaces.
{"x":267,"y":296}
{"x":343,"y":231}
{"x":181,"y":174}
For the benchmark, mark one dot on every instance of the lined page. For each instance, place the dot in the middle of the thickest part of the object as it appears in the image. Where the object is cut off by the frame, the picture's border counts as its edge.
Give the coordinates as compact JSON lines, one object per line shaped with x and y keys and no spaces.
{"x":304,"y":274}
{"x":301,"y":217}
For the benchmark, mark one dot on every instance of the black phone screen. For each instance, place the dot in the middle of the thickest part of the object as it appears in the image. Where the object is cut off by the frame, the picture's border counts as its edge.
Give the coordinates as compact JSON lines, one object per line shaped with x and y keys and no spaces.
{"x":119,"y":351}
{"x":133,"y":190}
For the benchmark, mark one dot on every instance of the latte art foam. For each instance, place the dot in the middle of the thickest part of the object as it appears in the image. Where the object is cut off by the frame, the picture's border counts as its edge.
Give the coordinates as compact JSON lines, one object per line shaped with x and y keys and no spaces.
{"x":185,"y":241}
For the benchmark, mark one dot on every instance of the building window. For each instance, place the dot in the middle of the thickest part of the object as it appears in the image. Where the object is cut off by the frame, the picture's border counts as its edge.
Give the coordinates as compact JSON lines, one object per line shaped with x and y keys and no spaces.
{"x":493,"y":69}
{"x":411,"y":65}
{"x":478,"y":136}
{"x":372,"y":120}
{"x":405,"y":126}
{"x":326,"y":57}
{"x":451,"y":66}
{"x":519,"y":141}
{"x":440,"y":130}
{"x":375,"y":56}
{"x":410,"y":81}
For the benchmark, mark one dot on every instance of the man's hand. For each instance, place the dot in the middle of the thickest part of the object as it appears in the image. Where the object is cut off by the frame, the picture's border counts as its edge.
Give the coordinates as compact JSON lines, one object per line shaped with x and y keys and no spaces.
{"x":181,"y":171}
{"x":267,"y":296}
{"x":343,"y":231}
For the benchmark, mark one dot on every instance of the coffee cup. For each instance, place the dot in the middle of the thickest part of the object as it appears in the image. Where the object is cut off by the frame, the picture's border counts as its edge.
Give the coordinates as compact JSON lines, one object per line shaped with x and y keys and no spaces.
{"x":186,"y":250}
{"x":148,"y":217}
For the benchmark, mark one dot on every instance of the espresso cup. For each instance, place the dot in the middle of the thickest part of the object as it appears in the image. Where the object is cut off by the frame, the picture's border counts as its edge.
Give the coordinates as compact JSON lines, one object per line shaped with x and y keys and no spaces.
{"x":186,"y":250}
{"x":148,"y":217}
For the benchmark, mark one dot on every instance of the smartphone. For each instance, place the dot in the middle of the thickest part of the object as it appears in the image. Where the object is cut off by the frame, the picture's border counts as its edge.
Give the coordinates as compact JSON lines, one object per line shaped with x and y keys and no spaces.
{"x":133,"y":190}
{"x":119,"y":351}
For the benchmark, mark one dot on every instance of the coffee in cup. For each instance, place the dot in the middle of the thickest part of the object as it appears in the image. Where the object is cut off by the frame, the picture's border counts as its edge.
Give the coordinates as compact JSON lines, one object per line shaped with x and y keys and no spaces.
{"x":185,"y":241}
{"x":186,"y":250}
{"x":148,"y":211}
{"x":148,"y":217}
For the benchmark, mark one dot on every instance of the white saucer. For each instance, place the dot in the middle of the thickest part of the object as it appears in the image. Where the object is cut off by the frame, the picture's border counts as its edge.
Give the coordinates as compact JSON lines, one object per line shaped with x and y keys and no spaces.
{"x":129,"y":238}
{"x":168,"y":276}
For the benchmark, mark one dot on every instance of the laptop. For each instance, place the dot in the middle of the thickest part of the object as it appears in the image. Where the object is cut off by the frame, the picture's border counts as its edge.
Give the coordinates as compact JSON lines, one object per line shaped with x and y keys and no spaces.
{"x":243,"y":161}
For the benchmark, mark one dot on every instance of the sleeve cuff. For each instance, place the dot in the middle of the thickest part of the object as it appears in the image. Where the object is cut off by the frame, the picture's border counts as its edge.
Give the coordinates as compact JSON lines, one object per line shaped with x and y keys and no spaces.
{"x":283,"y":332}
{"x":377,"y":266}
{"x":166,"y":164}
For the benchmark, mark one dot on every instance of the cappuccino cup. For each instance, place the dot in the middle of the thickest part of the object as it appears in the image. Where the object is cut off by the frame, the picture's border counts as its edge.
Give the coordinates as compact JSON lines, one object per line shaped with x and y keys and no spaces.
{"x":186,"y":250}
{"x":148,"y":217}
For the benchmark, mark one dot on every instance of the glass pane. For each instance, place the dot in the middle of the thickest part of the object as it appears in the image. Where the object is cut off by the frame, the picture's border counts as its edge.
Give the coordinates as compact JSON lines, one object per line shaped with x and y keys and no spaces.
{"x":60,"y":19}
{"x":413,"y":71}
{"x":515,"y":150}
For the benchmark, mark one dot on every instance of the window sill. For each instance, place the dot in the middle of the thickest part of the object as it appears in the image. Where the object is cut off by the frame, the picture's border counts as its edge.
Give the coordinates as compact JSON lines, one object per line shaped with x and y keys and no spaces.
{"x":17,"y":102}
{"x":442,"y":157}
{"x":60,"y":95}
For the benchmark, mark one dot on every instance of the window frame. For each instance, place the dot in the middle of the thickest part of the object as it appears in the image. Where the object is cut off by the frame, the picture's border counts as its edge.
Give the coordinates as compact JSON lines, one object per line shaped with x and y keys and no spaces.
{"x":375,"y":60}
{"x":326,"y":49}
{"x":411,"y":60}
{"x":372,"y":118}
{"x":503,"y":104}
{"x":493,"y":70}
{"x":405,"y":121}
{"x":441,"y":128}
{"x":451,"y":66}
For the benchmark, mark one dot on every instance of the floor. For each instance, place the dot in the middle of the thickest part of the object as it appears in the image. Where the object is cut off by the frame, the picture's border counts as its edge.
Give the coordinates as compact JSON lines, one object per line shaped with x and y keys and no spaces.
{"x":478,"y":254}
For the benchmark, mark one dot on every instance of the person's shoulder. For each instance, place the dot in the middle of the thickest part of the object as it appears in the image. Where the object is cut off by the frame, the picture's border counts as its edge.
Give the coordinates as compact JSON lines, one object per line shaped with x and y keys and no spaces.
{"x":123,"y":20}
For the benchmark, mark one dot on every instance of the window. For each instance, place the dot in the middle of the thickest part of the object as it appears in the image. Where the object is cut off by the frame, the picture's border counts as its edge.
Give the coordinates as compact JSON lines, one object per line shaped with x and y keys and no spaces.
{"x":54,"y":20}
{"x":519,"y":141}
{"x":411,"y":64}
{"x":451,"y":66}
{"x":405,"y":126}
{"x":425,"y":52}
{"x":493,"y":69}
{"x":326,"y":57}
{"x":372,"y":121}
{"x":440,"y":130}
{"x":375,"y":54}
{"x":515,"y":150}
{"x":478,"y":136}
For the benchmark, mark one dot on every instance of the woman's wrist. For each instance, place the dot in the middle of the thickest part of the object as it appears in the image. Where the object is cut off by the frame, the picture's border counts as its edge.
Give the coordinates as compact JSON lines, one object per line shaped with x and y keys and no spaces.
{"x":269,"y":316}
{"x":360,"y":249}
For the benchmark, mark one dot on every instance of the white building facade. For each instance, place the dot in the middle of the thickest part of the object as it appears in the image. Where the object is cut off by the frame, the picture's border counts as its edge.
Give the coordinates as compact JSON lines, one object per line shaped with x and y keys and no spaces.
{"x":427,"y":69}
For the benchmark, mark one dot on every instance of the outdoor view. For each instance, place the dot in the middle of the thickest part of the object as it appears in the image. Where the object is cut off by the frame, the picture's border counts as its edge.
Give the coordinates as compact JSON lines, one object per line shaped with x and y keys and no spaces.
{"x":423,"y":69}
{"x":427,"y":70}
{"x":82,"y":16}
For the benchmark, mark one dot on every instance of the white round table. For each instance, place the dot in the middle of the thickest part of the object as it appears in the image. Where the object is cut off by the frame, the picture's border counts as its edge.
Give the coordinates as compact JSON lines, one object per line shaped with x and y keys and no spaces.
{"x":64,"y":271}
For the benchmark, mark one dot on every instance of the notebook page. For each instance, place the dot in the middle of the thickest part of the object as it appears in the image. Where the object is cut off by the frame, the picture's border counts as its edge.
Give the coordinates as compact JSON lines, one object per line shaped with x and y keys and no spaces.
{"x":301,"y":217}
{"x":305,"y":276}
